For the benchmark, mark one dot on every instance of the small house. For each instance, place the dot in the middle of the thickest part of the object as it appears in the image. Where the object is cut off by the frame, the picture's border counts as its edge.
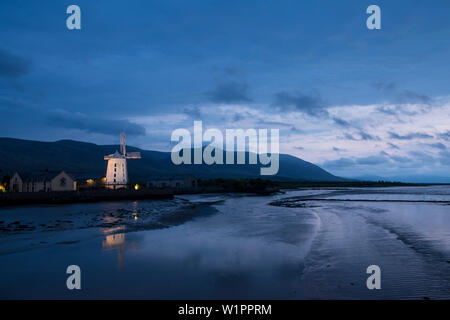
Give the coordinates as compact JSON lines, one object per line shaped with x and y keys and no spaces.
{"x":42,"y":182}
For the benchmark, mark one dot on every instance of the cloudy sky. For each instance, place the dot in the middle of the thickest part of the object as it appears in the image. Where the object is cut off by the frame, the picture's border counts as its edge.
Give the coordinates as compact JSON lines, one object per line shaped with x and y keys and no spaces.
{"x":355,"y":101}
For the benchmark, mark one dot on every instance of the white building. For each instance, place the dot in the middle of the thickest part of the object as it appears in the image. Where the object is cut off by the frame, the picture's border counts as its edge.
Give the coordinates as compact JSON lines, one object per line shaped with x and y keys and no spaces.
{"x":42,"y":182}
{"x":116,"y":169}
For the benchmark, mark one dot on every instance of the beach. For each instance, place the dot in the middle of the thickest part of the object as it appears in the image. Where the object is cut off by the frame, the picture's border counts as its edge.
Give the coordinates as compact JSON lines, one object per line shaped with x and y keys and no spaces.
{"x":301,"y":244}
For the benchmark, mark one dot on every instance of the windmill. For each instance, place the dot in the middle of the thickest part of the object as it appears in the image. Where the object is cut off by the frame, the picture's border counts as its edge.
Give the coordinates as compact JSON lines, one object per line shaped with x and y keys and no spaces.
{"x":116,"y":170}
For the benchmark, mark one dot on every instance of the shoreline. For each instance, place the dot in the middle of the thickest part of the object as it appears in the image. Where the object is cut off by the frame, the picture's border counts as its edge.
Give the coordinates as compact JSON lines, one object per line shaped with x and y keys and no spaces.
{"x":99,"y":195}
{"x":290,"y":253}
{"x":85,"y":196}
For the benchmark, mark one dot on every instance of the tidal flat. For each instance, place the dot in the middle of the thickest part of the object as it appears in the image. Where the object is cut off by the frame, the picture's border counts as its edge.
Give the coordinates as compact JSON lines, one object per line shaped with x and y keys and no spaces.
{"x":301,"y":244}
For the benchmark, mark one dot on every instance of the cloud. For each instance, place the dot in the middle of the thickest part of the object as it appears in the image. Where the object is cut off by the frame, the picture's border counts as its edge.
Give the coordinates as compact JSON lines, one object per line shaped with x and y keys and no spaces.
{"x":445,"y":135}
{"x":422,"y":157}
{"x":273,"y":123}
{"x":363,"y":136}
{"x":229,"y":92}
{"x":68,"y":120}
{"x":227,"y":71}
{"x":396,"y":110}
{"x":296,"y":130}
{"x":384,"y":86}
{"x":402,"y":96}
{"x":12,"y":66}
{"x":382,"y":159}
{"x":308,"y":104}
{"x":445,"y":158}
{"x":339,"y":163}
{"x":17,"y":104}
{"x":372,"y":160}
{"x":410,"y":136}
{"x":408,"y":96}
{"x":193,"y":112}
{"x":348,"y":136}
{"x":438,"y":145}
{"x":366,"y":136}
{"x":401,"y":159}
{"x":393,"y":146}
{"x":239,"y":116}
{"x":341,"y":122}
{"x":388,"y":110}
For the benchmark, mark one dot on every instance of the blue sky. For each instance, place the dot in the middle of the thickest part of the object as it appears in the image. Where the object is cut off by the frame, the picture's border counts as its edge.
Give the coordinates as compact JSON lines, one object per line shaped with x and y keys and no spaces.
{"x":355,"y":101}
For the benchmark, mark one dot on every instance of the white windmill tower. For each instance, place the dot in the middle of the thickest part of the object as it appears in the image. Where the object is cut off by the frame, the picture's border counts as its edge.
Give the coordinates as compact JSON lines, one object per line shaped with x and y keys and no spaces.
{"x":116,"y":170}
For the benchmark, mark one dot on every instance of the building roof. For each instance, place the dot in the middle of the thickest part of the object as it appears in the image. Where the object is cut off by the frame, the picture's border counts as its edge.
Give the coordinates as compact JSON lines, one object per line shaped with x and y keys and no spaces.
{"x":39,"y":176}
{"x":116,"y":155}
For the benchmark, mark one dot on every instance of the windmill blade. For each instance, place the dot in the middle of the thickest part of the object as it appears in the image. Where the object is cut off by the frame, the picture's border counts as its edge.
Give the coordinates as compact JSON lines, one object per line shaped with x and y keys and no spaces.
{"x":122,"y":144}
{"x":133,"y":155}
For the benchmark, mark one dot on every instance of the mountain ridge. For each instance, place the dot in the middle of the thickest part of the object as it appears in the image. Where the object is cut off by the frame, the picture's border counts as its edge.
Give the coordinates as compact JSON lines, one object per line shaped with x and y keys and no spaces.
{"x":87,"y":158}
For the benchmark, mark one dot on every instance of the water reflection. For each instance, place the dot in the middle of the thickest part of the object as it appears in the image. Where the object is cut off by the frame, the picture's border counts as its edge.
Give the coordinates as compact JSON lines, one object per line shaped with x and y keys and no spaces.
{"x":116,"y":242}
{"x":135,"y":206}
{"x":241,"y":248}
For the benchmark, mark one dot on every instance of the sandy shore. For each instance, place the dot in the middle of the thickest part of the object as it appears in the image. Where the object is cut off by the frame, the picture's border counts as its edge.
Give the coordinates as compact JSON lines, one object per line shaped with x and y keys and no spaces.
{"x":233,"y":246}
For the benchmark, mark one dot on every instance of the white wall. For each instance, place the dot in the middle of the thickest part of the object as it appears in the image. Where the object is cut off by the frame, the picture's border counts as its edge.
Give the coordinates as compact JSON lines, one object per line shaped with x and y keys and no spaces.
{"x":62,"y":182}
{"x":117,"y":167}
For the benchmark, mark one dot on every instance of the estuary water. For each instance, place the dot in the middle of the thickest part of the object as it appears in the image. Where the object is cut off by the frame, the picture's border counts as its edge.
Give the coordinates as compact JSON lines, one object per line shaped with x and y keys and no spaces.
{"x":301,"y":244}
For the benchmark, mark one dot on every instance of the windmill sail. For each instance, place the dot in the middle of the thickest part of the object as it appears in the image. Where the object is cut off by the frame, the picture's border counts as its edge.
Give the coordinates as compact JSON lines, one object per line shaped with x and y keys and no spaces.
{"x":122,"y":144}
{"x":133,"y":155}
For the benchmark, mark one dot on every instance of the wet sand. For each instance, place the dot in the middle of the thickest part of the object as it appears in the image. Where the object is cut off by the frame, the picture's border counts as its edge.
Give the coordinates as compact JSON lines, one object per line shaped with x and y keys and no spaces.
{"x":286,"y":246}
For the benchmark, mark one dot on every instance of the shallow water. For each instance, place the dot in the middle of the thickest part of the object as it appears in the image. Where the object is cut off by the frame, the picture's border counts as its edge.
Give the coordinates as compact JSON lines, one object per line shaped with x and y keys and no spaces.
{"x":230,"y":246}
